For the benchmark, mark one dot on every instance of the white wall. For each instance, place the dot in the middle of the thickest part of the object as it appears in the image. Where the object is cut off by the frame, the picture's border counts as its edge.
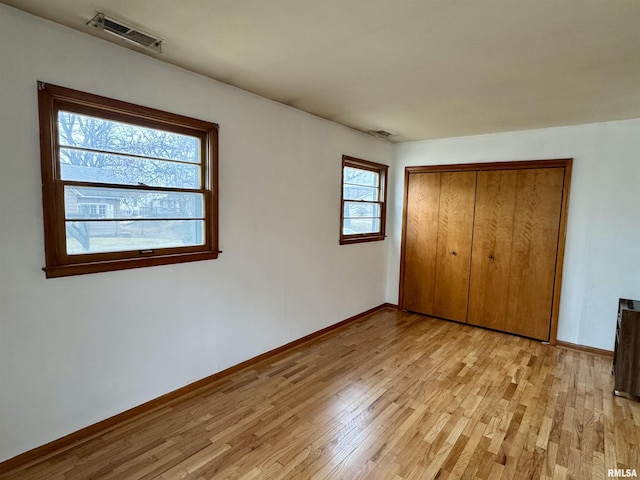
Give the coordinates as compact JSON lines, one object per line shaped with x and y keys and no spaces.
{"x":76,"y":350}
{"x":602,"y":257}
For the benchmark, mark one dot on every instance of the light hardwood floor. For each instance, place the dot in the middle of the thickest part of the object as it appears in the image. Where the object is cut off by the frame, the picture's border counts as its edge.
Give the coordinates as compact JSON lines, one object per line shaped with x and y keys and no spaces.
{"x":395,"y":396}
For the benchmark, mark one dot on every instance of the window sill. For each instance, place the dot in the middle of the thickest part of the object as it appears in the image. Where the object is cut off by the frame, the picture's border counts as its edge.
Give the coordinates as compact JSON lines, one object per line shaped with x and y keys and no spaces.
{"x":361,"y":239}
{"x":55,"y":271}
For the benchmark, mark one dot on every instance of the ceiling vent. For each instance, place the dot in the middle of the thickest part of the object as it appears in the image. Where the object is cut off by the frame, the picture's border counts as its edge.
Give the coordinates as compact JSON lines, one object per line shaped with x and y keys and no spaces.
{"x":383,"y":134}
{"x":126,"y":32}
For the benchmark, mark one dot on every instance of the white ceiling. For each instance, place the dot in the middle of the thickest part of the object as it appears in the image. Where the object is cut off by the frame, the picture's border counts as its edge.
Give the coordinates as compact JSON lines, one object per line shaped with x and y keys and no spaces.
{"x":420,"y":69}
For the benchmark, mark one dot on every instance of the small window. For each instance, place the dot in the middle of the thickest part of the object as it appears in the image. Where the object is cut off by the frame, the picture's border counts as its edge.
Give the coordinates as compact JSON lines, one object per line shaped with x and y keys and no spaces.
{"x":363,"y":209}
{"x":124,"y":186}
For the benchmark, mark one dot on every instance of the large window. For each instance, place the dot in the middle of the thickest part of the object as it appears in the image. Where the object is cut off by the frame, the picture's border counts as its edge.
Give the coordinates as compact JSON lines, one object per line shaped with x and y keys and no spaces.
{"x":363,"y":209}
{"x":124,"y":186}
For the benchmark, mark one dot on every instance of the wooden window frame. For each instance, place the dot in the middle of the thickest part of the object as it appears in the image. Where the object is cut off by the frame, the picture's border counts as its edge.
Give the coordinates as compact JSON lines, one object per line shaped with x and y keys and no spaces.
{"x":381,"y":170}
{"x":52,"y":99}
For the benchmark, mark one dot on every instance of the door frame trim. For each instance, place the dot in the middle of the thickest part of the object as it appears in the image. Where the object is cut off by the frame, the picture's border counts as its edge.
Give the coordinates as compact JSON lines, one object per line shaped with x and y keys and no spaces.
{"x":565,"y":163}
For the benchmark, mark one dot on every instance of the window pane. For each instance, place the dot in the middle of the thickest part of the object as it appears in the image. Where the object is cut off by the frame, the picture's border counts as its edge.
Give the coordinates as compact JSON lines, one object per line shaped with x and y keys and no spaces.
{"x":361,"y":177}
{"x":130,"y":204}
{"x":354,"y":226}
{"x":359,"y":209}
{"x":92,"y":133}
{"x":85,"y":166}
{"x":105,"y":236}
{"x":360,"y":193}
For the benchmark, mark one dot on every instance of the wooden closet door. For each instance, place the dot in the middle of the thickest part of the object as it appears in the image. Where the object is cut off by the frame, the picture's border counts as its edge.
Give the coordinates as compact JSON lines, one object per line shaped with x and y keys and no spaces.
{"x":438,"y":233}
{"x":515,"y":245}
{"x":493,"y":232}
{"x":421,"y":241}
{"x":455,"y":232}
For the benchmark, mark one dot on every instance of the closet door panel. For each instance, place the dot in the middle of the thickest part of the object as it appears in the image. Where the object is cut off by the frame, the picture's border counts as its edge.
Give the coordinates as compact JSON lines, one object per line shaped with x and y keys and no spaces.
{"x":491,"y":254}
{"x":534,"y":250}
{"x":421,"y":240}
{"x":514,"y":250}
{"x":455,"y":232}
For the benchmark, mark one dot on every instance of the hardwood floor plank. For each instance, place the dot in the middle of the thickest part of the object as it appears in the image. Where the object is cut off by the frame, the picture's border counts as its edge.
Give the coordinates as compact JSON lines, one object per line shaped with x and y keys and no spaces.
{"x":394,"y":396}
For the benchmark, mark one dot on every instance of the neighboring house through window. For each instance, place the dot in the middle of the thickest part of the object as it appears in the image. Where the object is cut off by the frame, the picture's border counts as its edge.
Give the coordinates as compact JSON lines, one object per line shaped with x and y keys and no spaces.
{"x":363,"y":205}
{"x":124,"y":186}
